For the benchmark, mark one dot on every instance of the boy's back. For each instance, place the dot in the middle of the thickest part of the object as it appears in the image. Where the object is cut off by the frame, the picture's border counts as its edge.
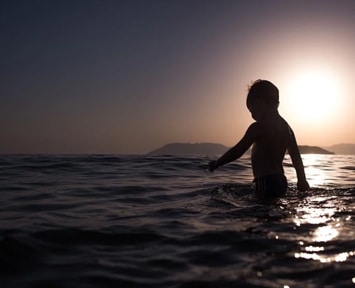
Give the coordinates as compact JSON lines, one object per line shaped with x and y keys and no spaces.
{"x":269,"y":148}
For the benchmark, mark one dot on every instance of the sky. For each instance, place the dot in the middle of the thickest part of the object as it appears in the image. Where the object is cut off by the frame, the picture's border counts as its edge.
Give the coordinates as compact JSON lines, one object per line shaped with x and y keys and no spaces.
{"x":126,"y":77}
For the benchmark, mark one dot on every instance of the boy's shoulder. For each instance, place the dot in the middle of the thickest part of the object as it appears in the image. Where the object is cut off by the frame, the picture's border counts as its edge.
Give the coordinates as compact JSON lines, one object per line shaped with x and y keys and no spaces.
{"x":255,"y":126}
{"x":256,"y":129}
{"x":267,"y":127}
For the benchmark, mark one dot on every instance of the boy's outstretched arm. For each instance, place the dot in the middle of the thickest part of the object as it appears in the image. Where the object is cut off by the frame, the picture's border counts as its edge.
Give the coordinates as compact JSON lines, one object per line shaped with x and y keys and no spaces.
{"x":302,"y":184}
{"x":238,"y":150}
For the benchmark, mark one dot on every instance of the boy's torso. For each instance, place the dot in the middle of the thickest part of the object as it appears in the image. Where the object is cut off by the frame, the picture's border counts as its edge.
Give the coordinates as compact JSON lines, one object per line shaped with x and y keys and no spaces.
{"x":270,"y":146}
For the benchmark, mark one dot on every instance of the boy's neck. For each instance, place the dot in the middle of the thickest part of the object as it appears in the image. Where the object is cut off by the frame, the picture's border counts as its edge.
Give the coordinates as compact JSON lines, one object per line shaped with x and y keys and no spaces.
{"x":270,"y":114}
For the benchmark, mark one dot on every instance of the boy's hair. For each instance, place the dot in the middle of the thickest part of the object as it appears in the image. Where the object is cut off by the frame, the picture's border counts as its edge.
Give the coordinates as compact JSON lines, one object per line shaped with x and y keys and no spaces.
{"x":264,"y":89}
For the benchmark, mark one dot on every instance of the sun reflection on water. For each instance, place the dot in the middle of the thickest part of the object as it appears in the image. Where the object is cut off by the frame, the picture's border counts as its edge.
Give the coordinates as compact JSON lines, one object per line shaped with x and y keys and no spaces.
{"x":320,"y":211}
{"x":314,"y":215}
{"x":341,"y":257}
{"x":325,"y":234}
{"x":316,"y":174}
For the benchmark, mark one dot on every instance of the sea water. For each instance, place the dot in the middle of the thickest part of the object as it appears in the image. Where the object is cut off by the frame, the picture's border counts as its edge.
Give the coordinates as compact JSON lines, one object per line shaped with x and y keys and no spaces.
{"x":164,"y":221}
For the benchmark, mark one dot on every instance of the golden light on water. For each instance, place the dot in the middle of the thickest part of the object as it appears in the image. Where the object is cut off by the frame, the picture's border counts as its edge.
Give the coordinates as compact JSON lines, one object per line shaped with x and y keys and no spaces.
{"x":325,"y":234}
{"x":314,"y":215}
{"x":341,"y":257}
{"x":314,"y":252}
{"x":328,"y":229}
{"x":320,"y":211}
{"x":316,"y":175}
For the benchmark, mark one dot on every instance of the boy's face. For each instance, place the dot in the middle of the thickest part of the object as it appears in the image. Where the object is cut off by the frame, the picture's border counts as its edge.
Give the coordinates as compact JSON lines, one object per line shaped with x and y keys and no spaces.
{"x":257,"y":108}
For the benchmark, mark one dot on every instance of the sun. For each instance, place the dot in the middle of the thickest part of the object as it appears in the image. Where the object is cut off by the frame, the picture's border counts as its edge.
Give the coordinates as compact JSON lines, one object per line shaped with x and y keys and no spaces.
{"x":313,"y":96}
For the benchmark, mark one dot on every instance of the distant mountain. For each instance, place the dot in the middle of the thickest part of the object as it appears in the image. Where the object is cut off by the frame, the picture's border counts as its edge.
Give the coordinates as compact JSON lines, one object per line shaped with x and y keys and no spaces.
{"x":342,"y":148}
{"x":190,"y":149}
{"x":304,"y":149}
{"x":185,"y":149}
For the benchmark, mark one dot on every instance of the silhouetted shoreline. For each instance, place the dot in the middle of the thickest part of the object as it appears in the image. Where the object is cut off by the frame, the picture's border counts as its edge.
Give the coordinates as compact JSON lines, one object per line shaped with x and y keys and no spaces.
{"x":217,"y":149}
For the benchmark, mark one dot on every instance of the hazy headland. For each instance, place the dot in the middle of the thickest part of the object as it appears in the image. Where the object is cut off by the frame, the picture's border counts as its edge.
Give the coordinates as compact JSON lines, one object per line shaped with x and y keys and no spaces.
{"x":217,"y":149}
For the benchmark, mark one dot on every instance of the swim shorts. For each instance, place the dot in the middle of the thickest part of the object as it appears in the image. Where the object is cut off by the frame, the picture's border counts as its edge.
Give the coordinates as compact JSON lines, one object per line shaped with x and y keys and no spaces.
{"x":270,"y":186}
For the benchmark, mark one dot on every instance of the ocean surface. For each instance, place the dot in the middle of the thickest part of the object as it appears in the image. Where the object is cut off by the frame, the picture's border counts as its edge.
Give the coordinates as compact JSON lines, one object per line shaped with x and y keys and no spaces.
{"x":140,"y":221}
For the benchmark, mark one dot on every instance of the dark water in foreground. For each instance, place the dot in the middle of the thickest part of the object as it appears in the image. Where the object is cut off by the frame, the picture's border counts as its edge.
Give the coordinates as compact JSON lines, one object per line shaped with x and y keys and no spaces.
{"x":137,"y":221}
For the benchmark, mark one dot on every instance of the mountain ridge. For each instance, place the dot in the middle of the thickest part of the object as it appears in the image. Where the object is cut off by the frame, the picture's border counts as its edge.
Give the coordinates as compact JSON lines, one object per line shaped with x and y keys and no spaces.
{"x":342,"y":148}
{"x":190,"y":149}
{"x":206,"y":148}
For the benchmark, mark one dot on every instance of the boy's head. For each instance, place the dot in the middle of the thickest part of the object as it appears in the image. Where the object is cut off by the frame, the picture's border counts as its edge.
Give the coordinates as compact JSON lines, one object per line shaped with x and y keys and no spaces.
{"x":263,"y":90}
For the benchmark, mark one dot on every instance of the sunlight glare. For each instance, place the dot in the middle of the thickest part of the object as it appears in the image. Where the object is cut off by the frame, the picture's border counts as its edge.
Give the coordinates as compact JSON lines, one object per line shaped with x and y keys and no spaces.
{"x":314,"y":96}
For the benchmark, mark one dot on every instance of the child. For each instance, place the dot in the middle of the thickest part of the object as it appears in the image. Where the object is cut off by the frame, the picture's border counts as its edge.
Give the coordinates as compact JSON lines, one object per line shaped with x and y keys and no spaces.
{"x":271,"y":136}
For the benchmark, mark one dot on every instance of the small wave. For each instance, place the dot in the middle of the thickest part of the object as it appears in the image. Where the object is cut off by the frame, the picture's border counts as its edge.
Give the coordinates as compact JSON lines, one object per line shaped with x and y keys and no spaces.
{"x":232,"y":194}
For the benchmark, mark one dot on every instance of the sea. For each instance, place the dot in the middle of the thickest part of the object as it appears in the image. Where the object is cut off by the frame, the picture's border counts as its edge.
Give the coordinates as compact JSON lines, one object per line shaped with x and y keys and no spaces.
{"x":165,"y":221}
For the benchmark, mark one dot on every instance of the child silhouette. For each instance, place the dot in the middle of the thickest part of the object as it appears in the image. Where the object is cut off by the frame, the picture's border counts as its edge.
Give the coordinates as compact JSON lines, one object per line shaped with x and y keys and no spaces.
{"x":270,"y":136}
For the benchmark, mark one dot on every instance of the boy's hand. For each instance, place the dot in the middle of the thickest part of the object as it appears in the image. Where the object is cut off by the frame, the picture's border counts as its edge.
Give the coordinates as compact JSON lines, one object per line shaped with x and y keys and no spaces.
{"x":303,"y":186}
{"x":212,"y":166}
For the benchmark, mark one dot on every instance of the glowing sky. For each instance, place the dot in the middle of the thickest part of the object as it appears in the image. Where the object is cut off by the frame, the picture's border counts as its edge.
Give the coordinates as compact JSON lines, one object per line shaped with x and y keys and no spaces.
{"x":129,"y":76}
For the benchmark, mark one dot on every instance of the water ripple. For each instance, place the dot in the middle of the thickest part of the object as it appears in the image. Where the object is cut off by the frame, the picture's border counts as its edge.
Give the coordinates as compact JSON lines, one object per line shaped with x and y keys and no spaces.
{"x":163,"y":221}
